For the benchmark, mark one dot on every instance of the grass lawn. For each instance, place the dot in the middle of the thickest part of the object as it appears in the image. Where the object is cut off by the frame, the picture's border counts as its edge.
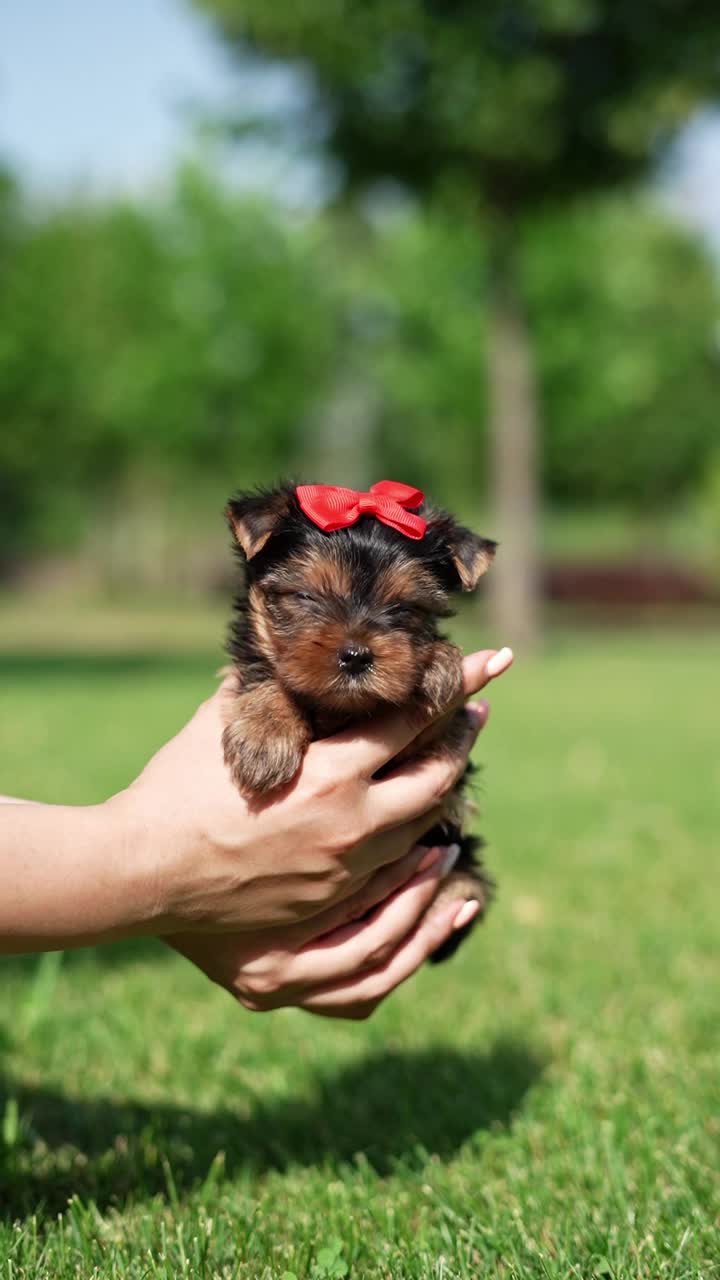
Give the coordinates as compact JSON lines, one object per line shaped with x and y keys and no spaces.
{"x":546,"y":1105}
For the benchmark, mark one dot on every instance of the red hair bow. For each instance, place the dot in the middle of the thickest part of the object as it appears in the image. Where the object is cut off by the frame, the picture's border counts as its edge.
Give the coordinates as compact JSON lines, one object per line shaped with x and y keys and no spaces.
{"x":330,"y":507}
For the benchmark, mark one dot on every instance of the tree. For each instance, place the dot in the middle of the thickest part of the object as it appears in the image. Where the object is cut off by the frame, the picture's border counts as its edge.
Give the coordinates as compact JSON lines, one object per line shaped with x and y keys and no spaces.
{"x":509,"y":105}
{"x":628,"y":372}
{"x":627,"y":357}
{"x":180,"y":344}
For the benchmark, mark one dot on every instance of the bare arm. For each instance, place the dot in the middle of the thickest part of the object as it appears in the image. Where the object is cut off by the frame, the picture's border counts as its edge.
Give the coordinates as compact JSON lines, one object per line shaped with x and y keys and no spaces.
{"x":181,"y":851}
{"x":68,"y":878}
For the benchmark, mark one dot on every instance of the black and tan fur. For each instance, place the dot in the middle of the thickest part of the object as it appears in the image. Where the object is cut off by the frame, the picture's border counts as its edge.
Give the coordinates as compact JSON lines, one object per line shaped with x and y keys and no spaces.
{"x":332,"y":628}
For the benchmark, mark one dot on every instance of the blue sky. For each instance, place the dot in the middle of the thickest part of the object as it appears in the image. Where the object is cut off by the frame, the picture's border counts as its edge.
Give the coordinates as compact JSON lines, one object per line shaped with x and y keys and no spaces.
{"x":100,"y":94}
{"x":694,"y":188}
{"x":97,"y":91}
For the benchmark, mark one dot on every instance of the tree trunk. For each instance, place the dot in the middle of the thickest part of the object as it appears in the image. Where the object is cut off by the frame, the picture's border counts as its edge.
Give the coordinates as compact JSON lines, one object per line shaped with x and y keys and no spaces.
{"x":343,"y":448}
{"x":514,"y":439}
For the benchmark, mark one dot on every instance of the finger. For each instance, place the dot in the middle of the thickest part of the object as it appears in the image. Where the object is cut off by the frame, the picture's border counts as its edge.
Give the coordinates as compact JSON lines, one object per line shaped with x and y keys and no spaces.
{"x":368,"y":990}
{"x":482,"y":667}
{"x":395,"y":872}
{"x":364,"y":944}
{"x":325,"y":961}
{"x":391,"y":841}
{"x":386,"y":850}
{"x":370,"y":747}
{"x":418,"y":785}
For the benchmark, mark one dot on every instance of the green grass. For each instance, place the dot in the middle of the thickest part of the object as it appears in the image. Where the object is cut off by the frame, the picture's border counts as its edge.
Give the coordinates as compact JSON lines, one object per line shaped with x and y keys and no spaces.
{"x":544,"y":1106}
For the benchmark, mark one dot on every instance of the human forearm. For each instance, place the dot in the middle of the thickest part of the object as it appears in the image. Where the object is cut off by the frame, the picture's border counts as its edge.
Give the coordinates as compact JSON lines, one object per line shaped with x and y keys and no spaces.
{"x":181,"y":850}
{"x":70,"y":877}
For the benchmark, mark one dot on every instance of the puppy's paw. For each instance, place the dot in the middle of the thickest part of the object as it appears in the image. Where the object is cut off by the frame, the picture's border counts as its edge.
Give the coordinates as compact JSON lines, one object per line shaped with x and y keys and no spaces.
{"x":259,"y":766}
{"x":467,"y":883}
{"x":468,"y":880}
{"x":443,"y":738}
{"x":442,"y":680}
{"x":265,"y":740}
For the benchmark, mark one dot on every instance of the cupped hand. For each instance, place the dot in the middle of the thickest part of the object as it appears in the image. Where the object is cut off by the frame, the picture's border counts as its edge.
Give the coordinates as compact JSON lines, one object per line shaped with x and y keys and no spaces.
{"x":330,"y":968}
{"x":214,"y":862}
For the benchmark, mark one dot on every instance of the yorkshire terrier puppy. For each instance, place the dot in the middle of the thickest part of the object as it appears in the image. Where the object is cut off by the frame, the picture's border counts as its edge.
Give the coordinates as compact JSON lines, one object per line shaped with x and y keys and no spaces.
{"x":337,"y":620}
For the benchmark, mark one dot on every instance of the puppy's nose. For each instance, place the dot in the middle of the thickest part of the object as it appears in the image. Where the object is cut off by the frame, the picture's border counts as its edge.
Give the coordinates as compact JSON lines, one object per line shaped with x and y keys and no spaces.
{"x":353,"y":659}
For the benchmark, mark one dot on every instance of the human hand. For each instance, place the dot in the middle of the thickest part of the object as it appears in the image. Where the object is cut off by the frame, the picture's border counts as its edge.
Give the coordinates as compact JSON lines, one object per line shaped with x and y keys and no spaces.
{"x":214,"y":861}
{"x":331,"y":968}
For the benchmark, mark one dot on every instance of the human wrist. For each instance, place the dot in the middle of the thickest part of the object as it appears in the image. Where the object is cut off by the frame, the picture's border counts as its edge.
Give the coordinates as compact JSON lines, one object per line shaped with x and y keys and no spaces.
{"x":144,"y":844}
{"x":120,"y":901}
{"x":177,"y":879}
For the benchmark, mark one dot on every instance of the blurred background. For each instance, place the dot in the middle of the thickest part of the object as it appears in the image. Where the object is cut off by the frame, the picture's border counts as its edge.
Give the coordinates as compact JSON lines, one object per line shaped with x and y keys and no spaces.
{"x":470,"y":246}
{"x":473,"y":250}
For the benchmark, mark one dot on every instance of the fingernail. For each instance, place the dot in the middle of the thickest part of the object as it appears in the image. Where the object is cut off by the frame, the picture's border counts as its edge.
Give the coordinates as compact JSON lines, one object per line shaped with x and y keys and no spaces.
{"x":478,"y":712}
{"x":451,"y":855}
{"x":499,"y":661}
{"x":467,"y":912}
{"x":430,"y":858}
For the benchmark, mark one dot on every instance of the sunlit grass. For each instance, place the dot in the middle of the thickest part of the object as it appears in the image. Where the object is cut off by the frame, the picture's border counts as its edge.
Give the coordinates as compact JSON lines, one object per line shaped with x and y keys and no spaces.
{"x":545,"y":1105}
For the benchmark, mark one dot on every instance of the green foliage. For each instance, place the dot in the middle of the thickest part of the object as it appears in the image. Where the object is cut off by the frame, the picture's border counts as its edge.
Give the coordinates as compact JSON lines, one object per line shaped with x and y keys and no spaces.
{"x":150,"y":355}
{"x":624,"y":313}
{"x":248,"y":332}
{"x":330,"y":1264}
{"x":412,"y":292}
{"x":708,"y":503}
{"x":44,"y":444}
{"x":520,"y":100}
{"x":504,"y":110}
{"x":188,"y":338}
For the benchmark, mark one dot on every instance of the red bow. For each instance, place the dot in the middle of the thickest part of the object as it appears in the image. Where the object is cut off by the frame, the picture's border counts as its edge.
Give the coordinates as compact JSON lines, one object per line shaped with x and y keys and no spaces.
{"x":330,"y":507}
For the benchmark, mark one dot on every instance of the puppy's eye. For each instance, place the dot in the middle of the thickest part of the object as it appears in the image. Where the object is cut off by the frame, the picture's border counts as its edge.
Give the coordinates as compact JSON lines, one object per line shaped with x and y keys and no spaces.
{"x":305,"y":597}
{"x":403,"y":613}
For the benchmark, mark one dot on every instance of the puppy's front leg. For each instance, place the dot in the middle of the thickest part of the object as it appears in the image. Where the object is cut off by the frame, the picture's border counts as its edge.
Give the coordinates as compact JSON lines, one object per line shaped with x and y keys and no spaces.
{"x":442,"y":679}
{"x":265,"y":739}
{"x":441,"y":683}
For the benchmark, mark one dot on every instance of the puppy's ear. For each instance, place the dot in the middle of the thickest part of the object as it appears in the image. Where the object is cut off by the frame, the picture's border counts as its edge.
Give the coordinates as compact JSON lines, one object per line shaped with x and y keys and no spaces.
{"x":254,"y":517}
{"x":471,"y":556}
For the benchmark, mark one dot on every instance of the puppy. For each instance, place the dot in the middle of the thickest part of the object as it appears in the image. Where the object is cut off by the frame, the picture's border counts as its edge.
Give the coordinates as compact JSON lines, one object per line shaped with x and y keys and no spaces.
{"x":338,"y":620}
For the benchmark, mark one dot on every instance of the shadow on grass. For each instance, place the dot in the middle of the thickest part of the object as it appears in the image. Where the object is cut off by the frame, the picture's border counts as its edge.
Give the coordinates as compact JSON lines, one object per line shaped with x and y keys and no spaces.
{"x":389,"y":1108}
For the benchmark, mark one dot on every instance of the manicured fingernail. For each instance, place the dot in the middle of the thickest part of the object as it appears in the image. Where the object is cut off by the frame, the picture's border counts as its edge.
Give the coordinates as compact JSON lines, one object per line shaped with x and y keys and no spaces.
{"x":499,"y":661}
{"x":430,"y":858}
{"x":467,"y":912}
{"x":477,"y":712}
{"x":451,"y":855}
